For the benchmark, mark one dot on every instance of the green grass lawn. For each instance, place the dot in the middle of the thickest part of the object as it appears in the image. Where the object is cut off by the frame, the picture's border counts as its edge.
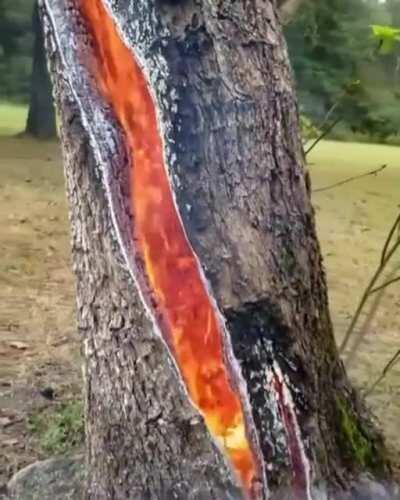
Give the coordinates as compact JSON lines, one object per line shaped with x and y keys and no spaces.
{"x":378,"y":195}
{"x":12,"y":118}
{"x":352,"y":222}
{"x":353,"y":219}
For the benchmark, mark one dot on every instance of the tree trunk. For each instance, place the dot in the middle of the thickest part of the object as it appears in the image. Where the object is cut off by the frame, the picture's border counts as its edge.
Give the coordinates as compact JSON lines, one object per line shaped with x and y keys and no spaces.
{"x":211,"y":370}
{"x":41,"y":121}
{"x":288,"y":9}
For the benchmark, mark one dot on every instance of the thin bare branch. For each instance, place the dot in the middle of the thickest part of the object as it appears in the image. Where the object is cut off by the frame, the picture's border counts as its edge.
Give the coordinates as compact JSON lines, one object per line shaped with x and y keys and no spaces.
{"x":380,"y":287}
{"x":385,"y":371}
{"x":359,"y":309}
{"x":322,"y":135}
{"x":367,"y":292}
{"x":362,"y":333}
{"x":331,"y":110}
{"x":396,"y":225}
{"x":350,"y":179}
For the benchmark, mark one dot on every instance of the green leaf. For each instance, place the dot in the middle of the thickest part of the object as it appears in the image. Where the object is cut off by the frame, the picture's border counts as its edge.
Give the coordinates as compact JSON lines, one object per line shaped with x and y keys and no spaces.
{"x":387,"y":37}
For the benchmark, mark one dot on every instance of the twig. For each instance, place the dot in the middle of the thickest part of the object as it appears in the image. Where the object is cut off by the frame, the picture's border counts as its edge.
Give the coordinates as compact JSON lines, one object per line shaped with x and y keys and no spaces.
{"x":350,"y":179}
{"x":386,"y":253}
{"x":322,"y":135}
{"x":385,"y":371}
{"x":326,"y":119}
{"x":370,"y":286}
{"x":384,"y":285}
{"x":330,"y":112}
{"x":359,"y":309}
{"x":361,"y":334}
{"x":389,"y":238}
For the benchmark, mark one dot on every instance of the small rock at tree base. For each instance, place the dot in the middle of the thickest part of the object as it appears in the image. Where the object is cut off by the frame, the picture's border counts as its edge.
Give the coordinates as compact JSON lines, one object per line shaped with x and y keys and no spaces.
{"x":54,"y":479}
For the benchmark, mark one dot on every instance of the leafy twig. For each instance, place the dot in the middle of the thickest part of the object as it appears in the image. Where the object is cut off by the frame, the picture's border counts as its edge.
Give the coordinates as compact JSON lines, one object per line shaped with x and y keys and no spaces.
{"x":350,"y":179}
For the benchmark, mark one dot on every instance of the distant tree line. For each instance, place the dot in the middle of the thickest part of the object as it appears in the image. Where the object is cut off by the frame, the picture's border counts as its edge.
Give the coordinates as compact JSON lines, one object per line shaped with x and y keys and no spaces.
{"x":332,"y":52}
{"x":337,"y":66}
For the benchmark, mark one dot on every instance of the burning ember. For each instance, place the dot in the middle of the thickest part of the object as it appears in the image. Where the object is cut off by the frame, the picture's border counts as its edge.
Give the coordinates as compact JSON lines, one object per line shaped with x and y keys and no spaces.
{"x":187,"y":317}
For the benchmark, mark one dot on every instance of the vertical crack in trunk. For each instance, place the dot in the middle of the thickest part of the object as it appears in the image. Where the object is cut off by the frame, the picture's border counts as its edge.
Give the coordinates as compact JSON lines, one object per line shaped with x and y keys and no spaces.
{"x":261,"y":345}
{"x":273,"y":297}
{"x":299,"y":463}
{"x":173,"y":283}
{"x":111,"y":85}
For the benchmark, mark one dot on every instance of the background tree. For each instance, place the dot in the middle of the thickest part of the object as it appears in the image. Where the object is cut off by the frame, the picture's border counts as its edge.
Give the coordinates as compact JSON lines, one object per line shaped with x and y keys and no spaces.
{"x":228,"y":121}
{"x":15,"y":48}
{"x":41,"y":121}
{"x":391,"y":60}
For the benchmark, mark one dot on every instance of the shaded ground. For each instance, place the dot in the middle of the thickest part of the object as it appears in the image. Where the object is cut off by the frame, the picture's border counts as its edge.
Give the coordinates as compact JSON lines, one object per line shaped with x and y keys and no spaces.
{"x":38,"y":344}
{"x":39,"y":351}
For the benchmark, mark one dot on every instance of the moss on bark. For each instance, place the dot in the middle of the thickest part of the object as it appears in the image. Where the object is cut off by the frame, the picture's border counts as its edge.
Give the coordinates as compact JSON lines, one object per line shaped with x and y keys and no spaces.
{"x":358,"y":440}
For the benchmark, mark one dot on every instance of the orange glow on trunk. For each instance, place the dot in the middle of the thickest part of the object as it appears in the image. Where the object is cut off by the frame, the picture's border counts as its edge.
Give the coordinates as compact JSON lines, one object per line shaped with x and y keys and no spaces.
{"x":189,"y":320}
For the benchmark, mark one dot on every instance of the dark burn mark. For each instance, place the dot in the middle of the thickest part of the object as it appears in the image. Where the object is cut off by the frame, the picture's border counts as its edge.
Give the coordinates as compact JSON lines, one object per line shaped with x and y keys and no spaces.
{"x":172,"y":3}
{"x":195,"y":22}
{"x":260,"y":340}
{"x":259,"y":319}
{"x":184,"y":54}
{"x":250,"y":330}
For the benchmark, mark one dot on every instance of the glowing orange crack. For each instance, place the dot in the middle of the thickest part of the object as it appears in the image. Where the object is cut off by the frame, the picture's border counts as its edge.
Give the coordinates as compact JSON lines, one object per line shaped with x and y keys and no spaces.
{"x":192,"y":328}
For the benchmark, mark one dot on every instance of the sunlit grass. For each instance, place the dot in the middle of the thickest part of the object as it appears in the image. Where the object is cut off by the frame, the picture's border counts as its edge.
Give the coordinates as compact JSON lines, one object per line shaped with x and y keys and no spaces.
{"x":12,"y":118}
{"x":375,"y":197}
{"x":353,"y":221}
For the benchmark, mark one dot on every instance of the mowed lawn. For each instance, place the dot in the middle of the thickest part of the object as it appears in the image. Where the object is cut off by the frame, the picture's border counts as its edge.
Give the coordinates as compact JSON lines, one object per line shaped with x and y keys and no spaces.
{"x":37,"y":296}
{"x":353,"y":221}
{"x":12,"y":118}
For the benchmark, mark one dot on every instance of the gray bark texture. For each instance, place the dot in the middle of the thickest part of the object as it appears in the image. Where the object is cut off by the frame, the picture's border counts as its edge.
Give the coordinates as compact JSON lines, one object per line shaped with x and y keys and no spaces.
{"x":220,"y":75}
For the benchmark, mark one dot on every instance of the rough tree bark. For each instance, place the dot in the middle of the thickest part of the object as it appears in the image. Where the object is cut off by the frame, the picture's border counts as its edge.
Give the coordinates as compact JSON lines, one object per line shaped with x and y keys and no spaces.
{"x":41,"y":121}
{"x":227,"y":115}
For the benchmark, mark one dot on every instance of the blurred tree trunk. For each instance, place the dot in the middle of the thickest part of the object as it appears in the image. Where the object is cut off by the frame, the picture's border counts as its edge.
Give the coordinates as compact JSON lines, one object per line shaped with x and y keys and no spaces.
{"x":393,"y":7}
{"x":227,"y":112}
{"x":289,"y":8}
{"x":41,"y":121}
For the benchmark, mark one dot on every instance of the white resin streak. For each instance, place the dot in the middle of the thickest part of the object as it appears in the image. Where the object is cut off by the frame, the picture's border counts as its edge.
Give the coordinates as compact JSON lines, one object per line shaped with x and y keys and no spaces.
{"x":275,"y":371}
